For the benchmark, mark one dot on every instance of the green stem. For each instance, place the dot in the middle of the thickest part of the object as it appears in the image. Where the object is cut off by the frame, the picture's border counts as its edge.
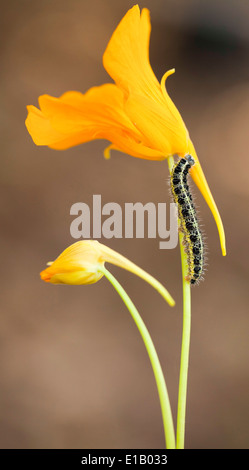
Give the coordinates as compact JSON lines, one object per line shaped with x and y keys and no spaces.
{"x":159,"y":377}
{"x":186,"y":328}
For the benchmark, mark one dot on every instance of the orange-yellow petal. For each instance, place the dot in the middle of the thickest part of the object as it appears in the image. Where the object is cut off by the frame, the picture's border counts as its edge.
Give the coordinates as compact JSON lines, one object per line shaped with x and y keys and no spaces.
{"x":162,"y":130}
{"x":75,"y":118}
{"x":147,"y":104}
{"x":40,"y":128}
{"x":126,"y":58}
{"x":43,"y":132}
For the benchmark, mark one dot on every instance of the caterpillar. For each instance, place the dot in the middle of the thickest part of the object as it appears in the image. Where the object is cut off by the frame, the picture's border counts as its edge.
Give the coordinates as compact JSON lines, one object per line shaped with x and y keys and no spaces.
{"x":192,"y":240}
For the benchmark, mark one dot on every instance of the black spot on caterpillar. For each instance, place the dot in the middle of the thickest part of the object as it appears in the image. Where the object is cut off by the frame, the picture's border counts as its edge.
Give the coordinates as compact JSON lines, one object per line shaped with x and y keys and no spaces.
{"x":193,"y":240}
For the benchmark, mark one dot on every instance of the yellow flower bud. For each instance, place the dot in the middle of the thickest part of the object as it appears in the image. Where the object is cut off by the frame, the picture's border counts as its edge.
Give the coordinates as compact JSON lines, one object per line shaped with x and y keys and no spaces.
{"x":83,"y":263}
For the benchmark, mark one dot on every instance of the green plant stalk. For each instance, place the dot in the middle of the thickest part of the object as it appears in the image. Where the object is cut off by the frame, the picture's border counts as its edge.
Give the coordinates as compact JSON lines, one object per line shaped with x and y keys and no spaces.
{"x":156,"y":366}
{"x":186,"y":329}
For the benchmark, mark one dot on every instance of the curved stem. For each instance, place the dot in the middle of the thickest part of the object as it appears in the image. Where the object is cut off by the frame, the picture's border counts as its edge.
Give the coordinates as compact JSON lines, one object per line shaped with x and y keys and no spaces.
{"x":159,"y":377}
{"x":186,"y":329}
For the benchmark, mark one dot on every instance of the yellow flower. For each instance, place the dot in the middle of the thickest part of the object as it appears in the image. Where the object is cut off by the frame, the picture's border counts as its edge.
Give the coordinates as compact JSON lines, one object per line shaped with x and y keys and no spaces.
{"x":136,"y":114}
{"x":83,"y":263}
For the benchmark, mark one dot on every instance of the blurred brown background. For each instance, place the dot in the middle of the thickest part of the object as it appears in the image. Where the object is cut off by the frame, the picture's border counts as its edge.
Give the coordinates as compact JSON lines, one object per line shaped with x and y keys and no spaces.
{"x":74,"y":370}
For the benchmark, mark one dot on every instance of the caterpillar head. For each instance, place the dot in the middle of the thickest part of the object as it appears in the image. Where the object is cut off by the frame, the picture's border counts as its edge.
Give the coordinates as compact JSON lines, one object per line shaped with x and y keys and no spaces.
{"x":190,"y":159}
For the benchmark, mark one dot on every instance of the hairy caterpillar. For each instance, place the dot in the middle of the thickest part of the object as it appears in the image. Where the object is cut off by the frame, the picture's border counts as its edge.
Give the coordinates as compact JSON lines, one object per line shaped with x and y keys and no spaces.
{"x":193,"y":240}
